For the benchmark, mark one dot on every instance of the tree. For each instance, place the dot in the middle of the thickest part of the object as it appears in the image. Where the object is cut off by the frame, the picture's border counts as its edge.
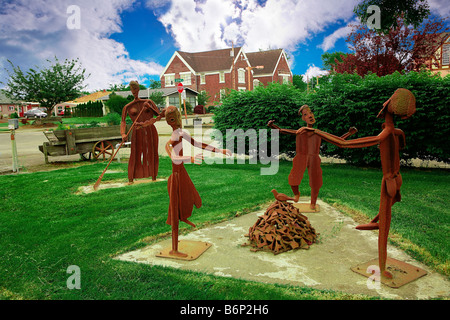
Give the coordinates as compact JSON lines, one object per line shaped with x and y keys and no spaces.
{"x":330,"y":59}
{"x":49,"y":86}
{"x":158,"y":98}
{"x":403,"y":48}
{"x":203,"y":98}
{"x":297,"y":81}
{"x":414,"y":12}
{"x":155,"y":84}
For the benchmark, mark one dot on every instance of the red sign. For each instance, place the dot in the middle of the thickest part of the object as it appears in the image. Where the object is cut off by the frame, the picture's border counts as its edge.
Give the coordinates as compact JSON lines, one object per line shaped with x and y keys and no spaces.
{"x":180,"y":87}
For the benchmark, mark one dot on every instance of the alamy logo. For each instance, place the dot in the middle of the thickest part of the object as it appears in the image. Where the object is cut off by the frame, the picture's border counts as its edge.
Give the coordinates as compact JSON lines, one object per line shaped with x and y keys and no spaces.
{"x":74,"y":281}
{"x":374,"y":20}
{"x":74,"y":20}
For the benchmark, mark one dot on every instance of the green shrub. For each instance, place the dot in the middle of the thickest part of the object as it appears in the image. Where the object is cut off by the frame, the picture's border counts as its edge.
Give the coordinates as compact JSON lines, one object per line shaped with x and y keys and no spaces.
{"x":343,"y":101}
{"x":113,"y":118}
{"x":116,"y":103}
{"x":349,"y":100}
{"x":254,"y":109}
{"x":88,"y":109}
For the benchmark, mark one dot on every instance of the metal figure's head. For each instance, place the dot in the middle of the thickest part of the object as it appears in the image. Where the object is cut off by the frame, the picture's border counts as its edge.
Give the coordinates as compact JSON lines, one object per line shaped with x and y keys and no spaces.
{"x":173,"y":117}
{"x":401,"y":103}
{"x":306,"y":114}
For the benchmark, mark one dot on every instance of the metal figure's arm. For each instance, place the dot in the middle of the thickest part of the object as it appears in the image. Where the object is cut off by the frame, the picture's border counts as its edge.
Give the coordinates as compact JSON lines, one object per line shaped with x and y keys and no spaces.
{"x":271,"y":124}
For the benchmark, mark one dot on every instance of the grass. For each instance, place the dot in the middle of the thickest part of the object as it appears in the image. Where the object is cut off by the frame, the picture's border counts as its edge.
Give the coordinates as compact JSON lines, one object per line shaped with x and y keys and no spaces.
{"x":45,"y":227}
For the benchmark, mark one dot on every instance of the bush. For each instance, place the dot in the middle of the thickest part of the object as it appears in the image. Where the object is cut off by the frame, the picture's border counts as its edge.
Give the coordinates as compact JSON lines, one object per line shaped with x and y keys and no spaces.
{"x":116,"y":103}
{"x":88,"y":109}
{"x":113,"y":119}
{"x":349,"y":100}
{"x":253,"y":109}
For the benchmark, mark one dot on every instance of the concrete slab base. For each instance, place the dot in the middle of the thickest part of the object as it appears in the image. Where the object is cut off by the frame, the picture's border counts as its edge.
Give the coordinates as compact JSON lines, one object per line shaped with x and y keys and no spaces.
{"x":304,"y":207}
{"x":192,"y":250}
{"x":402,"y":273}
{"x":325,"y":265}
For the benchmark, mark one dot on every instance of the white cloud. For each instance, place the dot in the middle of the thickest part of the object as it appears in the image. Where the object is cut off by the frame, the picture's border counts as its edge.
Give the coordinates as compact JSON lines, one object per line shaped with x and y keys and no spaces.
{"x":32,"y":31}
{"x":313,"y":71}
{"x":440,"y":7}
{"x":211,"y":24}
{"x":330,"y":40}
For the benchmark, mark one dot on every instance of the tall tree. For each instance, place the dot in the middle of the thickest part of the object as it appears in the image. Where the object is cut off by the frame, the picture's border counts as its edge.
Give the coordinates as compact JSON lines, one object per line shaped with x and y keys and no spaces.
{"x":330,"y":59}
{"x":414,"y":12}
{"x":402,"y":48}
{"x":62,"y":81}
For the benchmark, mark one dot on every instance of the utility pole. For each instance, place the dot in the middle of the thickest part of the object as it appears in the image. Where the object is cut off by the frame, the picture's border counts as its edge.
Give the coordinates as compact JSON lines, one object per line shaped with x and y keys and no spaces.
{"x":233,"y":79}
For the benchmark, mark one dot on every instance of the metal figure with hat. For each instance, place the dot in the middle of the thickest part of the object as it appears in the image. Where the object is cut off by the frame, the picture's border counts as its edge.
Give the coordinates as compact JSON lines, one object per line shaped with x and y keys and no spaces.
{"x":390,"y":141}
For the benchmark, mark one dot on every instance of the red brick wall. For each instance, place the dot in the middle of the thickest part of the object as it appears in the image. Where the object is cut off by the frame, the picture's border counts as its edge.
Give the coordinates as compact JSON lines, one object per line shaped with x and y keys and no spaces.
{"x":212,"y":85}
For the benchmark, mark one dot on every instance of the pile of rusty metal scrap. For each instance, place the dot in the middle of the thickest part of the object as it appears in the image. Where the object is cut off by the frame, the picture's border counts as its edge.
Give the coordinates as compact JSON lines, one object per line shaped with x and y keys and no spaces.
{"x":281,"y":228}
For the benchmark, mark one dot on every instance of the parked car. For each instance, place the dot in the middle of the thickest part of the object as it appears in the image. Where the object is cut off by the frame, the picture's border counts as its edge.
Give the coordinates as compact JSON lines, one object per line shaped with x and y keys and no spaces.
{"x":34,"y":113}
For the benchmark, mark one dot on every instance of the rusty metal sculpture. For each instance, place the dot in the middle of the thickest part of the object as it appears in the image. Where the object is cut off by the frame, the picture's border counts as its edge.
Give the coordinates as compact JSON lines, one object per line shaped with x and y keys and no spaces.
{"x":182,"y":193}
{"x":307,"y":155}
{"x":281,"y":228}
{"x":390,"y":141}
{"x":144,"y":158}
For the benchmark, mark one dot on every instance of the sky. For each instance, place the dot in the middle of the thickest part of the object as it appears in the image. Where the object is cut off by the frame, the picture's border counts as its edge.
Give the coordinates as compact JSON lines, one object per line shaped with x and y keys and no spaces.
{"x":121,"y":40}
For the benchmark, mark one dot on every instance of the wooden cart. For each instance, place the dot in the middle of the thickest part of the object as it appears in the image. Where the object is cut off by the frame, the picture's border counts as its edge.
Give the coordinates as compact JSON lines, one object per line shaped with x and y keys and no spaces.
{"x":98,"y":142}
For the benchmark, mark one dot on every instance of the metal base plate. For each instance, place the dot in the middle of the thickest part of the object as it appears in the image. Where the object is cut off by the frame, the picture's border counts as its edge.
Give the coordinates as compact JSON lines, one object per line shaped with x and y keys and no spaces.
{"x":304,"y":207}
{"x":402,"y":272}
{"x":192,"y":249}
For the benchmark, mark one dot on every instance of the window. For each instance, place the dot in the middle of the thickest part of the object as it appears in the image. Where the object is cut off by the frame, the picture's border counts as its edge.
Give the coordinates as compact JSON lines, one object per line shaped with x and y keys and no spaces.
{"x":222,"y":94}
{"x":169,"y":80}
{"x":186,"y":78}
{"x":446,"y":54}
{"x":221,"y":77}
{"x":202,"y":78}
{"x":11,"y":108}
{"x":242,"y":89}
{"x":174,"y":100}
{"x":241,"y":76}
{"x":256,"y":83}
{"x":284,"y":78}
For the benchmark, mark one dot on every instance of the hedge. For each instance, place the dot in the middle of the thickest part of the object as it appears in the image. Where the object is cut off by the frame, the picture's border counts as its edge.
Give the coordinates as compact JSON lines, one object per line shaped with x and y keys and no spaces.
{"x":347,"y":100}
{"x":88,"y":109}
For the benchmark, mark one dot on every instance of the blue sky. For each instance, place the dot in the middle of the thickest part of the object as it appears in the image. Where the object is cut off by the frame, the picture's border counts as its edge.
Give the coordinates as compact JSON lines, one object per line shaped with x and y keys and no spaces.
{"x":121,"y":40}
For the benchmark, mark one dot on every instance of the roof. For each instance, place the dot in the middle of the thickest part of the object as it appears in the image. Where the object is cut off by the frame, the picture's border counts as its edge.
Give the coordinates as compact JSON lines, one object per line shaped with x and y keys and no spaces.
{"x":91,"y":97}
{"x":210,"y":60}
{"x":268,"y":59}
{"x":145,"y":94}
{"x":216,"y":60}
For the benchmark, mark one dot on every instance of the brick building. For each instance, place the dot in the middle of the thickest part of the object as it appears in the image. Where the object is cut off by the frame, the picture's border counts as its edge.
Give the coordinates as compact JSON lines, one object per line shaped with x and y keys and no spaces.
{"x":218,"y":70}
{"x":442,"y":65}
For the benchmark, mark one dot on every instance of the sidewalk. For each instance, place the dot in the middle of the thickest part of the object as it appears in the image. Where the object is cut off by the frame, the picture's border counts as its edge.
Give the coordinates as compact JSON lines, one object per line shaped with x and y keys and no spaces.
{"x":326,"y":265}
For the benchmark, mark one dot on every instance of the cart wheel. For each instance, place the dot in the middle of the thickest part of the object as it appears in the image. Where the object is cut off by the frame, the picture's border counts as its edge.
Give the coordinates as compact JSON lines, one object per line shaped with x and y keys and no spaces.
{"x":103,"y":149}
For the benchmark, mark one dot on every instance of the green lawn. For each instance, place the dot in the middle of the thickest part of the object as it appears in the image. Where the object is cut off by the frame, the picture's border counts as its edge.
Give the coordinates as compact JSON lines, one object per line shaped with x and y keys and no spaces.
{"x":45,"y":227}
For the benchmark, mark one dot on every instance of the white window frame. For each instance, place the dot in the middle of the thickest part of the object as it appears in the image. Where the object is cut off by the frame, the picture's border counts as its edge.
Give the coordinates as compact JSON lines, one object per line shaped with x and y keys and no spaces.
{"x":285,"y":78}
{"x":242,"y":89}
{"x":186,"y":76}
{"x":241,"y":76}
{"x":446,"y":57}
{"x":169,"y":80}
{"x":222,"y":77}
{"x":202,"y":78}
